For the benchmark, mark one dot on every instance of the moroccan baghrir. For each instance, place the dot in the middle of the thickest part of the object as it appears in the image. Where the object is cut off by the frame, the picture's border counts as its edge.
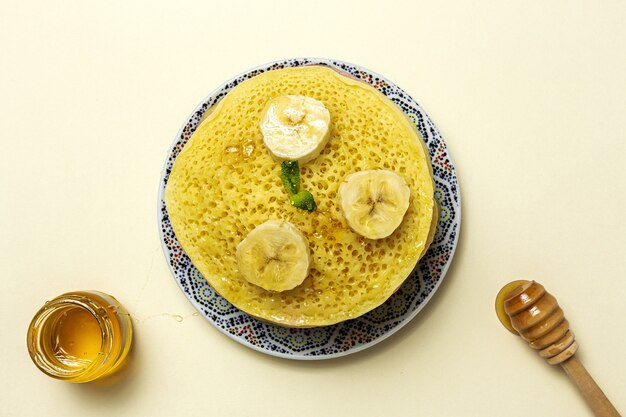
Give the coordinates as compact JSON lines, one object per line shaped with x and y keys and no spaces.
{"x":224,"y":183}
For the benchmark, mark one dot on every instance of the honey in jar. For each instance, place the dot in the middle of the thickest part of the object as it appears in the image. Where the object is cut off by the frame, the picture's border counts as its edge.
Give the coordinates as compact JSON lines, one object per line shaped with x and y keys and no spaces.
{"x":80,"y":336}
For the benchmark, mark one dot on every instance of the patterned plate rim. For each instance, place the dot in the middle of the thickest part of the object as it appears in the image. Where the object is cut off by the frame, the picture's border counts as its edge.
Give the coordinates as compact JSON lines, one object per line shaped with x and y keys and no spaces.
{"x":217,"y":94}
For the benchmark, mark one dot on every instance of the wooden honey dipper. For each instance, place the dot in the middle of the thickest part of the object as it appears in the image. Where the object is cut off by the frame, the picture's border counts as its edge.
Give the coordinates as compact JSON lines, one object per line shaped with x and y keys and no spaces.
{"x":535,"y":315}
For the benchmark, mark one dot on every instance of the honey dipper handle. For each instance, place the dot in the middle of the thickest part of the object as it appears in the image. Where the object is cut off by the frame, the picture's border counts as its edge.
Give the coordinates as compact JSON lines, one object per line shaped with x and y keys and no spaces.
{"x":592,"y":393}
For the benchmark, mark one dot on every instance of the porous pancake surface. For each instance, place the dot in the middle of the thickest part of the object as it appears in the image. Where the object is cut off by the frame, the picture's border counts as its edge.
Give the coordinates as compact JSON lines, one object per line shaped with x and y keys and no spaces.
{"x":224,"y":183}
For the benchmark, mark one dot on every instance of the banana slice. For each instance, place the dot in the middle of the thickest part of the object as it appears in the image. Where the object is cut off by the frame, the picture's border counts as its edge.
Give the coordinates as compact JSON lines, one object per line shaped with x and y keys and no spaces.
{"x":374,"y":202}
{"x":295,"y":128}
{"x":275,"y":256}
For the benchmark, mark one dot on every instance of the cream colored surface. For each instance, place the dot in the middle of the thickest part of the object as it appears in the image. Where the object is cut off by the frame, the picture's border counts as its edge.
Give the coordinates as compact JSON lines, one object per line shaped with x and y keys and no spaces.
{"x":530,"y":98}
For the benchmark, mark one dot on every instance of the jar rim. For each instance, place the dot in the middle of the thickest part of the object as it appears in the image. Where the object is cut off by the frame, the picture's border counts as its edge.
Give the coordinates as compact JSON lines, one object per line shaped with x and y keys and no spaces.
{"x":42,"y":319}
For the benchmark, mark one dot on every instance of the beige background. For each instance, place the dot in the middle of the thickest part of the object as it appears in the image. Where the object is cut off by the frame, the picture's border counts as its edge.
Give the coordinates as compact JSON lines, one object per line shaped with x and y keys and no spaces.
{"x":529,"y":96}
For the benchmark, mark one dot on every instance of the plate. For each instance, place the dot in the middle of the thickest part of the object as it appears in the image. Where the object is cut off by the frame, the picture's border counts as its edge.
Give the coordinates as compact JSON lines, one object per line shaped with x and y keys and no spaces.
{"x":353,"y":335}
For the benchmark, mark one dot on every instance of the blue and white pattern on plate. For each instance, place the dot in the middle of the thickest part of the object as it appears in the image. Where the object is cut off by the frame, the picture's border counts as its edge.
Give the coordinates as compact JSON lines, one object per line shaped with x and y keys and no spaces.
{"x":352,"y":335}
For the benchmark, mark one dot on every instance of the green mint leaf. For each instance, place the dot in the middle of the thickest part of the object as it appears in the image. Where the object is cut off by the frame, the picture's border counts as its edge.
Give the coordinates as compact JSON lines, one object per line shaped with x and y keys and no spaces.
{"x":303,"y":200}
{"x":291,"y":176}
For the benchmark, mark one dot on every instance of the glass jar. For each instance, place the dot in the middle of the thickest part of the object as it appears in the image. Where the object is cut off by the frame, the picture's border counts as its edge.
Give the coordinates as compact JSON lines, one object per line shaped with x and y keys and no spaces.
{"x":80,"y":336}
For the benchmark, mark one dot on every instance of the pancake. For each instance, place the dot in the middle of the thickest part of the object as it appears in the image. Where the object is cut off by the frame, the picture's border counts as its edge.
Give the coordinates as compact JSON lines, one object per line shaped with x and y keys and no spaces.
{"x":224,"y":183}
